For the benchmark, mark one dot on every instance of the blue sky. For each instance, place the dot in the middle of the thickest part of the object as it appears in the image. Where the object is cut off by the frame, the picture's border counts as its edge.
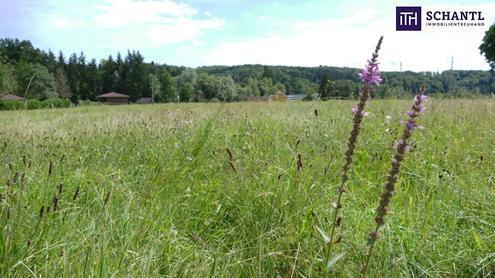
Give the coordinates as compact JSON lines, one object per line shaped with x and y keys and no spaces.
{"x":228,"y":32}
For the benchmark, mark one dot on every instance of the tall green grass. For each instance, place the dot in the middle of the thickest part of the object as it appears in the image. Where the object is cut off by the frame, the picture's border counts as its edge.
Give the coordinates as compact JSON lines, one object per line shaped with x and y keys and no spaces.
{"x":157,"y":194}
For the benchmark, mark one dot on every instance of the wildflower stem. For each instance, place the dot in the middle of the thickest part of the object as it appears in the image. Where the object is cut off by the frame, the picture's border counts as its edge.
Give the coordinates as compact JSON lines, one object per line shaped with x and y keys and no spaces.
{"x":368,"y":255}
{"x":370,"y":76}
{"x":393,"y":173}
{"x":356,"y":128}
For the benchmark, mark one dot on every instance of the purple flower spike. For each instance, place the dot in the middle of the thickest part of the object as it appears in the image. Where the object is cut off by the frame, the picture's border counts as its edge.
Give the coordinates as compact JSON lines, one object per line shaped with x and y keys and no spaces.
{"x":371,"y":73}
{"x":363,"y":113}
{"x":411,"y":125}
{"x":418,"y":107}
{"x":393,"y":174}
{"x":421,"y":99}
{"x":398,"y":143}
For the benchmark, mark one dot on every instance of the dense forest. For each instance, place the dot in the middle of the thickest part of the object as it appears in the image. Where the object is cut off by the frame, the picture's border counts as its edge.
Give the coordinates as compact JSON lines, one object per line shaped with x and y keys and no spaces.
{"x":38,"y":74}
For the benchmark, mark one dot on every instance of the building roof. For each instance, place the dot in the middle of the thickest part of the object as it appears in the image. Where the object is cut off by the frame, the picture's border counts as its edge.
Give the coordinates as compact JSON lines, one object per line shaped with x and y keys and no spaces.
{"x":113,"y":95}
{"x":12,"y":97}
{"x":144,"y":100}
{"x":296,"y":97}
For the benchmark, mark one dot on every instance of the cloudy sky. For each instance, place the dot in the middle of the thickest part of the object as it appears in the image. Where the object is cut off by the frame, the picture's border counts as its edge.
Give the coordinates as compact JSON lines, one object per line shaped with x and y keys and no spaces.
{"x":230,"y":32}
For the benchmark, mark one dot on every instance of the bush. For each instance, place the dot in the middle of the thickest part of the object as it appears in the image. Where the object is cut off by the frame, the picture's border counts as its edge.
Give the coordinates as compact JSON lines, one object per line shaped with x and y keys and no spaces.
{"x":55,"y":103}
{"x":11,"y":105}
{"x":50,"y":103}
{"x":34,"y":104}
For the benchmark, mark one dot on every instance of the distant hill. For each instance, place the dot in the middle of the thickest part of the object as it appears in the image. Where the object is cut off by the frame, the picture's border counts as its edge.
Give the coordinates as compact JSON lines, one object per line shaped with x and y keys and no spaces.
{"x":449,"y":82}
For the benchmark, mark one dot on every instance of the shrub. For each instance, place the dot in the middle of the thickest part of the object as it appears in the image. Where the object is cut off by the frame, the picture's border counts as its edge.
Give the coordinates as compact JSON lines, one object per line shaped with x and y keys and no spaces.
{"x":11,"y":105}
{"x":55,"y":103}
{"x":33,"y":104}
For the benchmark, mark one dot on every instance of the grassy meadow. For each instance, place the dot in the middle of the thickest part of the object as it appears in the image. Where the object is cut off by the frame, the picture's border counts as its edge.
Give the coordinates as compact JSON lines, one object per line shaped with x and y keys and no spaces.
{"x":148,"y":191}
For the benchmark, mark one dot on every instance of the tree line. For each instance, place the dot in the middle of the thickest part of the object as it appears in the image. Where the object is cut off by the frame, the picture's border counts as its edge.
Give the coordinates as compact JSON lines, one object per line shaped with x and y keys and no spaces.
{"x":33,"y":73}
{"x":344,"y":82}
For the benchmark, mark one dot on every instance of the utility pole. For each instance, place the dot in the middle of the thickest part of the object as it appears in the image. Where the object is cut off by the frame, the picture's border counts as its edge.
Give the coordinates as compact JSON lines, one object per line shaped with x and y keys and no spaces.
{"x":400,"y":66}
{"x":452,"y":63}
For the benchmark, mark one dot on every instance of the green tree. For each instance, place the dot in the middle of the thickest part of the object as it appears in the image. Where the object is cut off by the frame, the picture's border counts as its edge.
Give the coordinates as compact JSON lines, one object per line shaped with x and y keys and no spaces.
{"x":50,"y":61}
{"x":487,"y":46}
{"x":63,"y":87}
{"x":73,"y":75}
{"x":155,"y":86}
{"x":278,"y":87}
{"x":186,"y":91}
{"x":186,"y":82}
{"x":60,"y":59}
{"x":36,"y":79}
{"x":8,"y":83}
{"x":136,"y":76}
{"x":252,"y":88}
{"x":324,"y":84}
{"x":343,"y":89}
{"x":209,"y":86}
{"x":92,"y":79}
{"x":21,"y":51}
{"x":83,"y":90}
{"x":228,"y":90}
{"x":109,"y":75}
{"x":121,"y":74}
{"x":305,"y":87}
{"x":265,"y":86}
{"x":267,"y":73}
{"x":168,"y":92}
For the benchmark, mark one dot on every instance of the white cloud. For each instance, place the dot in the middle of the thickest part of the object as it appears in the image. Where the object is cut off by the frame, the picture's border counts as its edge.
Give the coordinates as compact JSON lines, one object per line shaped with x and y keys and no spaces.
{"x":162,"y":22}
{"x":61,"y":23}
{"x":179,"y":30}
{"x":350,"y":41}
{"x":65,"y":22}
{"x":121,"y":13}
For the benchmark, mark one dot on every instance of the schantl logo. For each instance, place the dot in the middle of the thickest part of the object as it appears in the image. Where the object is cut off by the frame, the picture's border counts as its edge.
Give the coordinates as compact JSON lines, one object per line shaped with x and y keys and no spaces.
{"x":408,"y":18}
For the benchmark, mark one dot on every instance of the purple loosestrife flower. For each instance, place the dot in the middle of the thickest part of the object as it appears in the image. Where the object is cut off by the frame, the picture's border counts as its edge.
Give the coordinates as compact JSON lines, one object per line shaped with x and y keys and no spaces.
{"x":355,"y":110}
{"x":393,"y":174}
{"x":371,"y":73}
{"x":370,"y":76}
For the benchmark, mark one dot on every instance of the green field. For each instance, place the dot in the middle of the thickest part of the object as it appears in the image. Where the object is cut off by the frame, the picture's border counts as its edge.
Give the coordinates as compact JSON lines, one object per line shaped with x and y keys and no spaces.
{"x":148,"y":191}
